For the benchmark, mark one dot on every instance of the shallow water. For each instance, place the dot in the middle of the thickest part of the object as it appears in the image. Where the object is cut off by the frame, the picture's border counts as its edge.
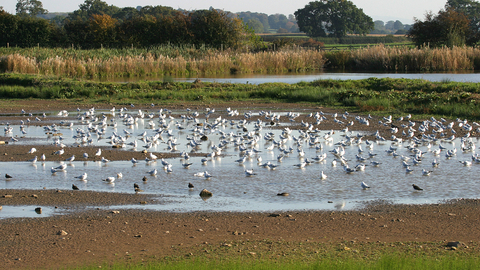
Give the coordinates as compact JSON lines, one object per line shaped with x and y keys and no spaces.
{"x":292,"y":78}
{"x":28,"y":211}
{"x":232,"y":189}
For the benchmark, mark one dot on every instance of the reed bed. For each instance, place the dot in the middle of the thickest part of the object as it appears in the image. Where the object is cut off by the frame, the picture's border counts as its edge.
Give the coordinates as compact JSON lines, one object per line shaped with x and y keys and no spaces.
{"x":417,"y":59}
{"x":171,"y":60}
{"x":151,"y":63}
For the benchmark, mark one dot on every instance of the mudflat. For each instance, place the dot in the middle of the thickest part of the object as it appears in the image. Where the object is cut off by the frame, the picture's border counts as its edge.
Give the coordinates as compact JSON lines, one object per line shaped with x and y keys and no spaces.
{"x":90,"y":233}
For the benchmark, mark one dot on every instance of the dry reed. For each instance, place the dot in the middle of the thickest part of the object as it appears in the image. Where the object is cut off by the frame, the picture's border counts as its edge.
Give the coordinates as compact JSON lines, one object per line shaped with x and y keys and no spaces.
{"x":114,"y":64}
{"x":424,"y":59}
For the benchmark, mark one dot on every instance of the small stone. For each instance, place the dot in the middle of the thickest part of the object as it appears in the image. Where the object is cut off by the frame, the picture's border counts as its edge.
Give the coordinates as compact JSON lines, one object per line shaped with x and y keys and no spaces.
{"x":62,"y":232}
{"x":275,"y":215}
{"x":115,"y":212}
{"x":34,"y":196}
{"x":283,"y":194}
{"x":205,"y":193}
{"x":143,"y":202}
{"x":38,"y":210}
{"x":7,"y":196}
{"x":330,"y":201}
{"x":138,"y":236}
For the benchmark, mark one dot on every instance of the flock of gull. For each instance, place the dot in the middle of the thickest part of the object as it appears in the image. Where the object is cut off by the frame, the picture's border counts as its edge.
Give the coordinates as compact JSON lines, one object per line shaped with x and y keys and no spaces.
{"x":252,"y":137}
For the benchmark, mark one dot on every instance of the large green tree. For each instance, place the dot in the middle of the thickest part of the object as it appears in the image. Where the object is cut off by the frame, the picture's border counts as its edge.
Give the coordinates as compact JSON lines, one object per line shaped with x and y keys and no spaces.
{"x":216,"y":28}
{"x":91,"y":7}
{"x":333,"y":17}
{"x":30,"y":8}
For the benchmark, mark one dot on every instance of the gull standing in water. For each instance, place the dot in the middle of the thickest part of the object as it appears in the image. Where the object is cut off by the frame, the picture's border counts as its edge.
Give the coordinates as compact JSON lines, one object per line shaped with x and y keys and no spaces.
{"x":323,"y":176}
{"x":249,"y":172}
{"x":82,"y":177}
{"x":426,"y":173}
{"x":364,"y":185}
{"x":153,"y":172}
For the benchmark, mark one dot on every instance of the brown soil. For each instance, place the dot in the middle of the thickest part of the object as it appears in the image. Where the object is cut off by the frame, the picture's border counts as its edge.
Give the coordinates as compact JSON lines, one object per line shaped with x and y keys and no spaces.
{"x":95,"y":235}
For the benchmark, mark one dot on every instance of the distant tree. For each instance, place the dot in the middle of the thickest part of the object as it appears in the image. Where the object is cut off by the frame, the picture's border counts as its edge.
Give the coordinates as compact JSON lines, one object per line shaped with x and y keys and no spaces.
{"x":273,"y":21}
{"x":157,"y":11}
{"x":291,"y":27}
{"x":261,"y":17}
{"x":390,"y":25}
{"x":256,"y":25}
{"x":91,"y":7}
{"x":379,"y":25}
{"x":447,"y":28}
{"x":30,"y":8}
{"x":282,"y":20}
{"x":398,"y":25}
{"x":333,"y":17}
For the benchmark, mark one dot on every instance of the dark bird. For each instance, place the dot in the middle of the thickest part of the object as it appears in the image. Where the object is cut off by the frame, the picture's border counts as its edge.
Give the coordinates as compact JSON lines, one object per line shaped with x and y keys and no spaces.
{"x":74,"y":187}
{"x":144,"y":179}
{"x":416,"y":187}
{"x":136,"y":187}
{"x":8,"y":175}
{"x":190,"y":185}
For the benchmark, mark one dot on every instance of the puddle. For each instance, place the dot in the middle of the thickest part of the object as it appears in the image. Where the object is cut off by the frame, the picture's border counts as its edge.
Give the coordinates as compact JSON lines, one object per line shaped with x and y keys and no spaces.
{"x":28,"y":211}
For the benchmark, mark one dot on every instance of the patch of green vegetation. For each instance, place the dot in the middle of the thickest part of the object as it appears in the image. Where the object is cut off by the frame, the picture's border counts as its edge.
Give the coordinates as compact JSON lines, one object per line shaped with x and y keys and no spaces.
{"x":267,"y":254}
{"x":389,"y":96}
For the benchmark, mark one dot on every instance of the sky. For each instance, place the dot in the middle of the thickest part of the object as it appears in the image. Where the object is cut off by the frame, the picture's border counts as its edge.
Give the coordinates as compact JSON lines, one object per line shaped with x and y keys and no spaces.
{"x":385,"y":10}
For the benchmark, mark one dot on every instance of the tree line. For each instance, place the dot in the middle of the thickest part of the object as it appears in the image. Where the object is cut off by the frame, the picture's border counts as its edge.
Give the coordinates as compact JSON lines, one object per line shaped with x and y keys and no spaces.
{"x":458,"y":24}
{"x":96,"y":24}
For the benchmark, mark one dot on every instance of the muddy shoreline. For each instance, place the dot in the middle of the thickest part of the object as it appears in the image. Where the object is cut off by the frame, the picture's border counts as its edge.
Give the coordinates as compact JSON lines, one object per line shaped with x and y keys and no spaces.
{"x":97,"y":235}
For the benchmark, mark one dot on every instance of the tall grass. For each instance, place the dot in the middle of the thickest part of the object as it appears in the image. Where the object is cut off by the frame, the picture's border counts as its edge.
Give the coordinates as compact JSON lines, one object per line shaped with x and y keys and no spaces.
{"x":113,"y":63}
{"x":183,"y":60}
{"x":384,"y":58}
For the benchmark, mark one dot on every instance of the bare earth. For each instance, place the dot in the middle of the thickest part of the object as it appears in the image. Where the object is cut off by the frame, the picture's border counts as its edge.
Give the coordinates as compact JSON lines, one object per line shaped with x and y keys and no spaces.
{"x":94,"y":236}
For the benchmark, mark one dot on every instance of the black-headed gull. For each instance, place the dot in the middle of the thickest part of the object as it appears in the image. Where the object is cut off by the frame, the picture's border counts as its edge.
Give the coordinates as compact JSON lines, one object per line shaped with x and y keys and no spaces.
{"x":82,"y":177}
